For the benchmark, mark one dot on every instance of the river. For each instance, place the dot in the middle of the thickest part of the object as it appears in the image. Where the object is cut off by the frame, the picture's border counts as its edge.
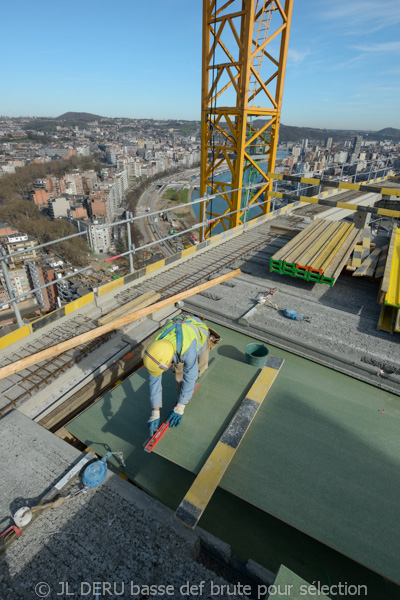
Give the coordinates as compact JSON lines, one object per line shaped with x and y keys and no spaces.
{"x":219,"y":205}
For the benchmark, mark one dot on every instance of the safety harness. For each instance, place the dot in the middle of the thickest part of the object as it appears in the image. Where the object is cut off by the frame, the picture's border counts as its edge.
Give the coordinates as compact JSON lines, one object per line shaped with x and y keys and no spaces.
{"x":176,"y":325}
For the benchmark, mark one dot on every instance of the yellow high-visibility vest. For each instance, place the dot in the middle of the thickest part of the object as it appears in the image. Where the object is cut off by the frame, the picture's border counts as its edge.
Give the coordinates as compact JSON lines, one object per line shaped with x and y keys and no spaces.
{"x":191,"y":330}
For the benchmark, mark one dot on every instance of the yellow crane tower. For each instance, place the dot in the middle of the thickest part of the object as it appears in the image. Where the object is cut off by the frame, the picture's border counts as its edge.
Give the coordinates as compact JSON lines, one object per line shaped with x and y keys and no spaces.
{"x":245,"y":44}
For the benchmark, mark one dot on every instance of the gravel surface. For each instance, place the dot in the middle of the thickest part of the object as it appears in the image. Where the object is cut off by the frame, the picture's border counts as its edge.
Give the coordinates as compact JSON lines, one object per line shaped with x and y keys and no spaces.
{"x":124,"y":543}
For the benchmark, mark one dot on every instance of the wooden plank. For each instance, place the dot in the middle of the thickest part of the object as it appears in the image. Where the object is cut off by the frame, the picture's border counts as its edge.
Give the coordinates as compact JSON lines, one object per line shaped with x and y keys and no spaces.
{"x":136,"y":304}
{"x":295,"y":241}
{"x":200,"y":493}
{"x":99,"y":331}
{"x":380,"y":267}
{"x":368,"y":266}
{"x":333,"y":247}
{"x":311,"y":253}
{"x":336,"y":266}
{"x":307,"y":240}
{"x":356,"y":258}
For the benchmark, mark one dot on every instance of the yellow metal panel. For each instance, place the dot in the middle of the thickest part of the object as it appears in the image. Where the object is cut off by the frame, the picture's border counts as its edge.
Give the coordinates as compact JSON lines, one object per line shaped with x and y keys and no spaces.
{"x":387,"y":319}
{"x":262,"y":384}
{"x":108,"y":287}
{"x":188,"y":251}
{"x":393,"y":293}
{"x":216,"y":238}
{"x":309,"y":180}
{"x":15,"y":336}
{"x":87,"y":299}
{"x":155,"y":266}
{"x":210,"y":475}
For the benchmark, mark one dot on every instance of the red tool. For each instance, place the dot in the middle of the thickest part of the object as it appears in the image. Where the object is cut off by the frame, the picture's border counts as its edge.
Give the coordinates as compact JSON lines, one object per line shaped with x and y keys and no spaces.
{"x":9,"y":535}
{"x":149,"y":447}
{"x":151,"y":444}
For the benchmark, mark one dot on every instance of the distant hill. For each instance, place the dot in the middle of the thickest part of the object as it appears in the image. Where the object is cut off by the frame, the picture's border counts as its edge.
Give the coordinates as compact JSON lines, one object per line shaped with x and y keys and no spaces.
{"x":390,"y":131}
{"x":78,"y":116}
{"x":288,"y":133}
{"x":72,"y":119}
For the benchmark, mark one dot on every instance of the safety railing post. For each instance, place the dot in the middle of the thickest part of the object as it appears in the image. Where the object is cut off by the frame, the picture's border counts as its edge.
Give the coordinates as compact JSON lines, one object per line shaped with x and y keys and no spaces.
{"x":10,"y":289}
{"x":128,"y":230}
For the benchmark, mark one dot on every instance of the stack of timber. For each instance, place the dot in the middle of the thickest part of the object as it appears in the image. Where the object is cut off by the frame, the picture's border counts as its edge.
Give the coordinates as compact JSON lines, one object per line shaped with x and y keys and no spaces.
{"x":319,"y":253}
{"x":389,"y":295}
{"x":361,"y":250}
{"x":370,"y":267}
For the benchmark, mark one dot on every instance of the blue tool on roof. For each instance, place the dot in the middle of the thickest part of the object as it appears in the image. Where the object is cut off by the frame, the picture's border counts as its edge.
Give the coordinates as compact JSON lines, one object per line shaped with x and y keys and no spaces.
{"x":96,"y":472}
{"x":290,"y":313}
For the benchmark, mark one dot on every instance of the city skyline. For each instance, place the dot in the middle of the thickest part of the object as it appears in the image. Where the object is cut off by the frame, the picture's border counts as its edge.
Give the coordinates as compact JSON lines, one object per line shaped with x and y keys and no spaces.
{"x":341,"y":64}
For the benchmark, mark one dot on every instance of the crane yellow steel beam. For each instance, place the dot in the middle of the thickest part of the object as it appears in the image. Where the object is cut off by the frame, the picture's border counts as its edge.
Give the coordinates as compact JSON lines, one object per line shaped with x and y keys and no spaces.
{"x":242,"y":87}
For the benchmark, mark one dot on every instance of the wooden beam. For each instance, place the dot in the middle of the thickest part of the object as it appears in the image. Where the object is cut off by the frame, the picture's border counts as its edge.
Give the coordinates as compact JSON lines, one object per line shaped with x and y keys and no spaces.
{"x":99,"y":331}
{"x":200,"y":493}
{"x":136,"y":304}
{"x":337,"y":265}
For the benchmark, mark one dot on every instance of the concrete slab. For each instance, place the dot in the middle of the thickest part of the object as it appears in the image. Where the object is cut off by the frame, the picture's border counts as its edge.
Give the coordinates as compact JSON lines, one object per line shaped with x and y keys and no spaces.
{"x":114,"y":534}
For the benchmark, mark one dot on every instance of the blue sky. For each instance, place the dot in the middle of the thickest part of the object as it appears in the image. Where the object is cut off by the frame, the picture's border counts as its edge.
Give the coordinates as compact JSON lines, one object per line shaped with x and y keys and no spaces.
{"x":143,"y":59}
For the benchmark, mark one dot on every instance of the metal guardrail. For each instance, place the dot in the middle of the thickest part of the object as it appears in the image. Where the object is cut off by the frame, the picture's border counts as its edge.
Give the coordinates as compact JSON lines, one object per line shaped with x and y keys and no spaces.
{"x":13,"y":298}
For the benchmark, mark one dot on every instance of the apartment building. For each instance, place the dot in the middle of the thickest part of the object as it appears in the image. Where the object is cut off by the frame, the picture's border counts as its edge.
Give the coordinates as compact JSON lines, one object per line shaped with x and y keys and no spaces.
{"x":42,"y":273}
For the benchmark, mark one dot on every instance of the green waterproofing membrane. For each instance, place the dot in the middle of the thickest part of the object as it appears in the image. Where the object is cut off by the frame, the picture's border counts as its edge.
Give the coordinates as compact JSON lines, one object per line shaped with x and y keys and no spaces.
{"x":319,"y":455}
{"x":289,"y":585}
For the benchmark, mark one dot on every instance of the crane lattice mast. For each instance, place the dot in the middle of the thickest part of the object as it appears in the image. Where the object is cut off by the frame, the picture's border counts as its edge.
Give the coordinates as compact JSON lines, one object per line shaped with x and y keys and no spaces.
{"x":245,"y":45}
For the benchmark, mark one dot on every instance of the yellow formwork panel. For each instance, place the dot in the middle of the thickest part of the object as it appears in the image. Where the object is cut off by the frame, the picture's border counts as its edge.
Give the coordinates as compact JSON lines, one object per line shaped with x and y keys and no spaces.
{"x":109,"y":287}
{"x":15,"y":336}
{"x":393,"y":293}
{"x":78,"y":303}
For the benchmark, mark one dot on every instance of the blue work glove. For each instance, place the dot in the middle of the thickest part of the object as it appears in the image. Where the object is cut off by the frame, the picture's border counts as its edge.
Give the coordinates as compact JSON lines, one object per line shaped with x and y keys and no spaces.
{"x":154,"y":422}
{"x":175,"y":417}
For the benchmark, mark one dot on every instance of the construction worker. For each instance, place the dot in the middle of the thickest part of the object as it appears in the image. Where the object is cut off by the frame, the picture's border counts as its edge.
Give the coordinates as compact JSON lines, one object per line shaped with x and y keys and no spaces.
{"x":185,"y":343}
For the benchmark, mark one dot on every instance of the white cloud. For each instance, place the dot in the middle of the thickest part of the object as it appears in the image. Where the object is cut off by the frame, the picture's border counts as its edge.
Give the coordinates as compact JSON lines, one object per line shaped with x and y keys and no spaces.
{"x":367,"y":14}
{"x":297,"y":56}
{"x":383,"y":47}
